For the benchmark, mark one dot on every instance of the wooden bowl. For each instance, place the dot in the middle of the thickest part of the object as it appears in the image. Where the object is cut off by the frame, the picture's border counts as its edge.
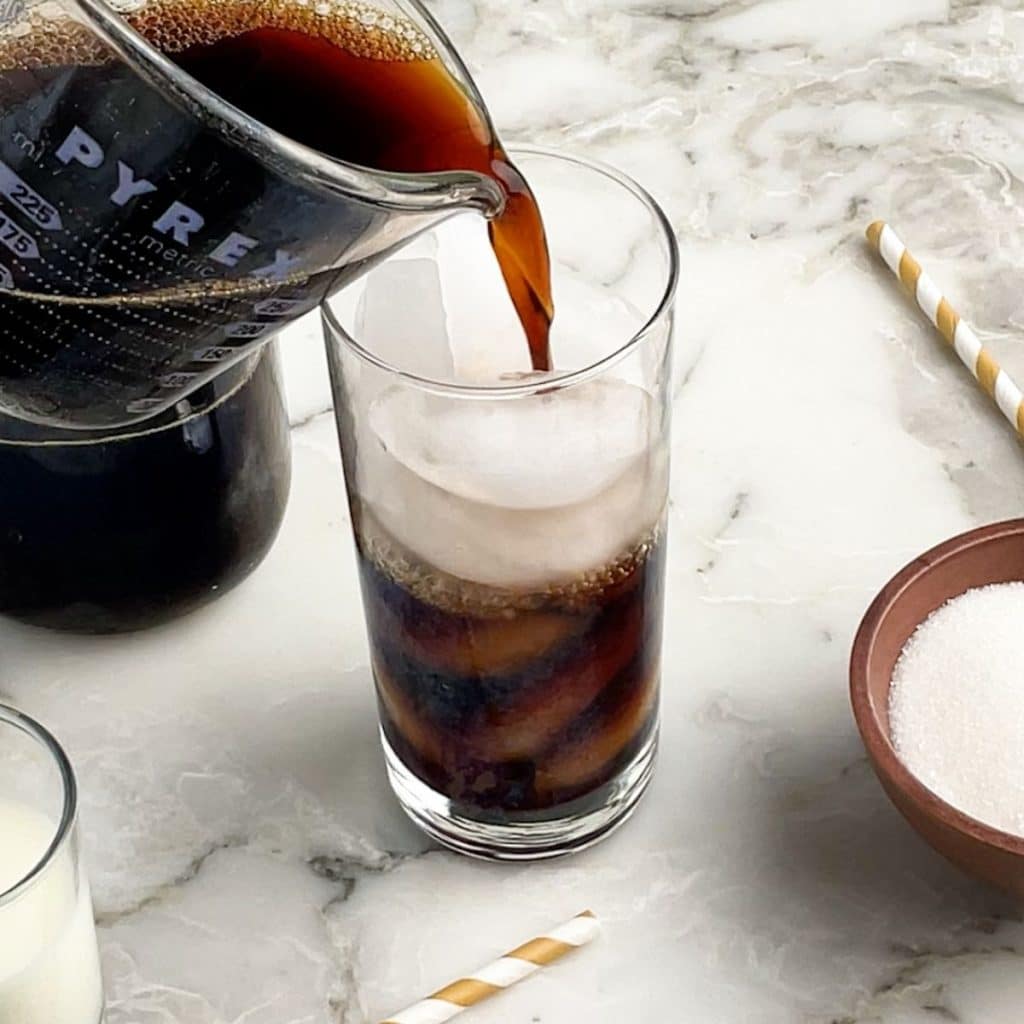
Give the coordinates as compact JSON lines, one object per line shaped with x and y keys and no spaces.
{"x":992,"y":554}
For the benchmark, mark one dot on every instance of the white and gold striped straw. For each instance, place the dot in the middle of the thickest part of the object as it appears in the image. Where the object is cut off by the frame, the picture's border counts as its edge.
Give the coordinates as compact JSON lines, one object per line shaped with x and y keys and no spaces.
{"x":997,"y":383}
{"x":501,"y":973}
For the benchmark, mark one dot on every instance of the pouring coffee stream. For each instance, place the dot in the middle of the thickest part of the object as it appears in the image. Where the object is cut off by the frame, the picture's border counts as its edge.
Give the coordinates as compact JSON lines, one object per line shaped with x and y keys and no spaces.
{"x":180,"y":182}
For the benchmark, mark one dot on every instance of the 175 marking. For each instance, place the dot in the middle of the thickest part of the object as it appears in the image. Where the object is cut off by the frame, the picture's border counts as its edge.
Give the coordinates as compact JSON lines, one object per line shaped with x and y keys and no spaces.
{"x":20,"y":242}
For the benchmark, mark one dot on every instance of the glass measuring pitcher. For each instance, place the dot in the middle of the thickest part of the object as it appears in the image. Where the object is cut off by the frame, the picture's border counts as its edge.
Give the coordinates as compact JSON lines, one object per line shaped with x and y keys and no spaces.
{"x":153,"y":234}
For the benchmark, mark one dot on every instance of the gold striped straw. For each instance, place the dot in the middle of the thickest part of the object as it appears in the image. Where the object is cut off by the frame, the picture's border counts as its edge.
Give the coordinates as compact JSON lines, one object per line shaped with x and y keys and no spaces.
{"x":997,"y":384}
{"x":501,"y":973}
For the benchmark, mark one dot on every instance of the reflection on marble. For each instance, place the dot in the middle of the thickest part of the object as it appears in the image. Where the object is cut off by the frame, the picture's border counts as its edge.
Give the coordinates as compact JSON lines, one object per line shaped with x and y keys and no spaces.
{"x":249,"y":865}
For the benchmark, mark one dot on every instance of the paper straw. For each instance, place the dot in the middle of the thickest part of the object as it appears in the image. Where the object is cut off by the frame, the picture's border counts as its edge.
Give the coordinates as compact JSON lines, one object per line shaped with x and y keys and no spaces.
{"x":996,"y":383}
{"x":503,"y":972}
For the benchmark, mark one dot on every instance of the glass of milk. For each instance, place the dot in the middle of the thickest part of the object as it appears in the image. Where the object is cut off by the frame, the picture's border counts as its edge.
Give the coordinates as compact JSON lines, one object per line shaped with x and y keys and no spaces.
{"x":49,"y":961}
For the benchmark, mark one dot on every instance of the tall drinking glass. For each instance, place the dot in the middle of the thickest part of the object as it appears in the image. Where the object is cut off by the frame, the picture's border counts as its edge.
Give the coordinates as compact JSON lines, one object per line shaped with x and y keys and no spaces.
{"x":49,"y":962}
{"x":510,"y":525}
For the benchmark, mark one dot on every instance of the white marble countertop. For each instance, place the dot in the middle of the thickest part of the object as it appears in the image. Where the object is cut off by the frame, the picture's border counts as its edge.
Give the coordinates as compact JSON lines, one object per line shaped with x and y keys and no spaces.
{"x":249,"y":865}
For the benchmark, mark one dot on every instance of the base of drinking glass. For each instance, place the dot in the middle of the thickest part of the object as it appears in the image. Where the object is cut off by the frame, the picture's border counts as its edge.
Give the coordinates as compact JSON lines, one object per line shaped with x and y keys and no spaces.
{"x":523,"y":835}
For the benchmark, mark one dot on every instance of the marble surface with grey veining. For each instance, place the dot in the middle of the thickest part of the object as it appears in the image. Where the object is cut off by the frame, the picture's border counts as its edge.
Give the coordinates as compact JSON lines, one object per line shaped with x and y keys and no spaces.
{"x":249,"y":866}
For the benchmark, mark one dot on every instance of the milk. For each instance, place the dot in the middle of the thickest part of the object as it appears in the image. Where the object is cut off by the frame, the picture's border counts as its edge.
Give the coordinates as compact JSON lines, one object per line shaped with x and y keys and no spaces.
{"x":49,"y":963}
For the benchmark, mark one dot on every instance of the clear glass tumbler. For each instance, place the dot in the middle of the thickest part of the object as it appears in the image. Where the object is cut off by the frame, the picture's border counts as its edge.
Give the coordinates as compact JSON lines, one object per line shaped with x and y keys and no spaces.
{"x":49,"y":961}
{"x":510,"y":525}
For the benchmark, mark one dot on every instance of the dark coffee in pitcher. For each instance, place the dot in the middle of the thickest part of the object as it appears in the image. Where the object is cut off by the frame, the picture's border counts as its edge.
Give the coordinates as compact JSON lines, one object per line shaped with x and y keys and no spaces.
{"x":109,"y":532}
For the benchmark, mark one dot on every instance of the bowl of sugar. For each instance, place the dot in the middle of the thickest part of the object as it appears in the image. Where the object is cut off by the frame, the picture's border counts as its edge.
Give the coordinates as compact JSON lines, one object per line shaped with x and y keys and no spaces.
{"x":937,"y":687}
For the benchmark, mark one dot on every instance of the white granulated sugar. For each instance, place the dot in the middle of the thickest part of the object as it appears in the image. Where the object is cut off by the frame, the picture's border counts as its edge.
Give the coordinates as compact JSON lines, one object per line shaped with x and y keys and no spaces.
{"x":956,"y":704}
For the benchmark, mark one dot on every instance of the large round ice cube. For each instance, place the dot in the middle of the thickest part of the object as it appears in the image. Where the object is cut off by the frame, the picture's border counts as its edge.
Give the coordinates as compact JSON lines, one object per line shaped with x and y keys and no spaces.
{"x":520,"y":492}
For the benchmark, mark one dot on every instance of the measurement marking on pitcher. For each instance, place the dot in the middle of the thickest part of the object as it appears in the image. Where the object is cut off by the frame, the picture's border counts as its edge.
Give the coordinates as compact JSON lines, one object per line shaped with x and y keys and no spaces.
{"x":28,"y":200}
{"x":6,"y":277}
{"x":20,"y":242}
{"x":279,"y":307}
{"x":214,"y":354}
{"x":245,"y":329}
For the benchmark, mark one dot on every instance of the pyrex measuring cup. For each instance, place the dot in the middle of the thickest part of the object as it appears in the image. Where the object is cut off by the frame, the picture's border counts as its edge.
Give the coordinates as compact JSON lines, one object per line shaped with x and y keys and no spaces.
{"x":152,"y":234}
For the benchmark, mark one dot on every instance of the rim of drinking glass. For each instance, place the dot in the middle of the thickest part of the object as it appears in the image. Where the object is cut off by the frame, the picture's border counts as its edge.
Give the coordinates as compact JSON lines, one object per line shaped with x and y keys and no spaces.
{"x":19,"y":720}
{"x":430,"y":191}
{"x":555,"y":380}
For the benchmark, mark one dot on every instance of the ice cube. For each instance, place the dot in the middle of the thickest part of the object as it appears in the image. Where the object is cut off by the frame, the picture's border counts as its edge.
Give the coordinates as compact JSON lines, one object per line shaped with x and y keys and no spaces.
{"x":542,"y":451}
{"x":519,"y":492}
{"x":401,"y":318}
